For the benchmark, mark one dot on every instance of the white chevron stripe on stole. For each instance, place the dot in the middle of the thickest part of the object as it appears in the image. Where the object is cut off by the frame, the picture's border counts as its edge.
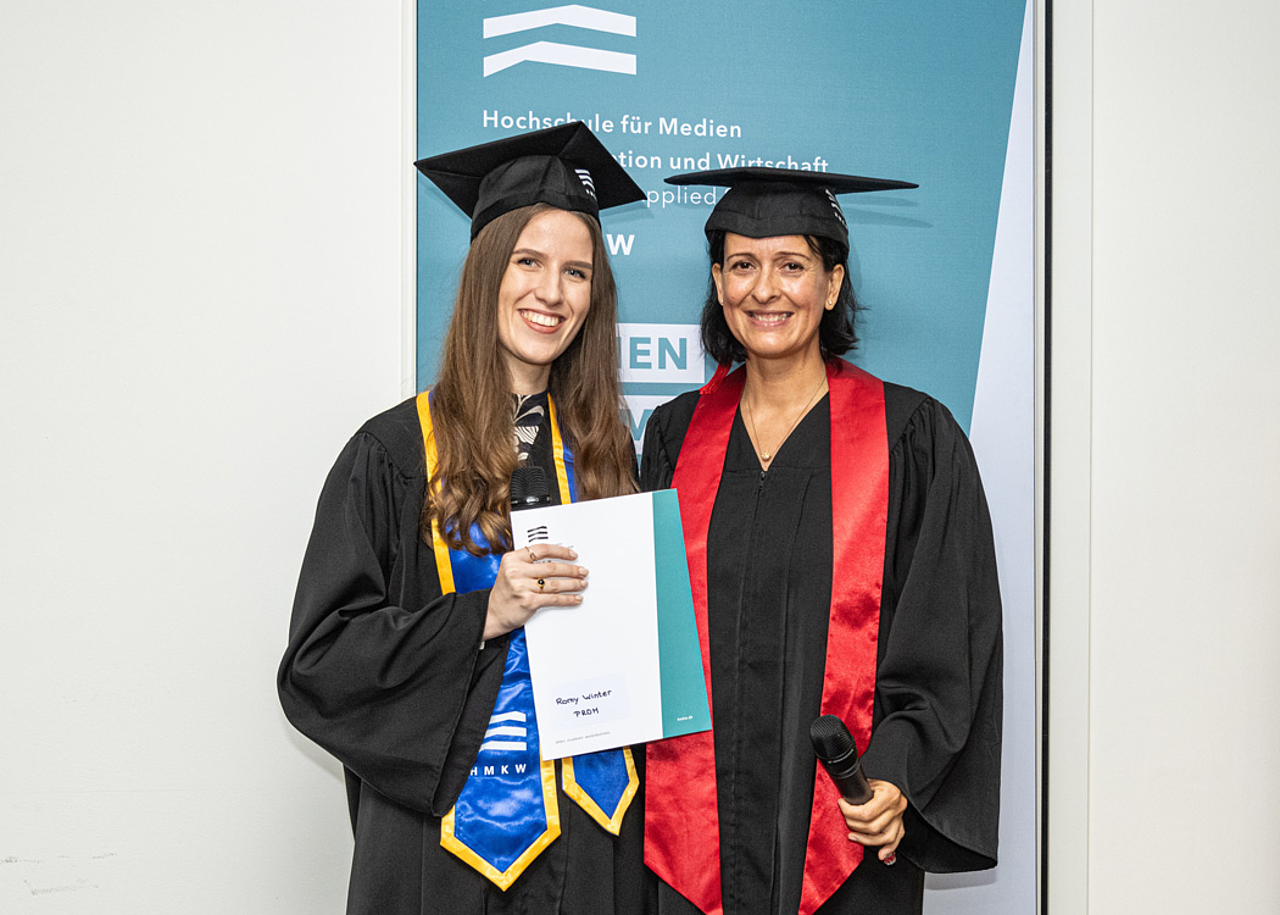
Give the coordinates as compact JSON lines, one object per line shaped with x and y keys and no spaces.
{"x":498,"y":729}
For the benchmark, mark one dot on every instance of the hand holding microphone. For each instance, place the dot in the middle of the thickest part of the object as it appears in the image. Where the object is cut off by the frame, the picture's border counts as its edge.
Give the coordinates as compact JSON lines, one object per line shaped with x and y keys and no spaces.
{"x":872,"y":809}
{"x":838,"y":754}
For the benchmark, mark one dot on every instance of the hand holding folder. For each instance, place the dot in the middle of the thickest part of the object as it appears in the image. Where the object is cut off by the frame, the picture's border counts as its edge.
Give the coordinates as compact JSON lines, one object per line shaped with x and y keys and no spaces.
{"x":624,"y":666}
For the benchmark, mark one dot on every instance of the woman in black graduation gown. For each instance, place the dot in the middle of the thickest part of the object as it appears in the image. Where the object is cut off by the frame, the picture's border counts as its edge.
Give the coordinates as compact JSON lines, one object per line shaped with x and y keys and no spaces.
{"x":405,"y":656}
{"x":842,"y":561}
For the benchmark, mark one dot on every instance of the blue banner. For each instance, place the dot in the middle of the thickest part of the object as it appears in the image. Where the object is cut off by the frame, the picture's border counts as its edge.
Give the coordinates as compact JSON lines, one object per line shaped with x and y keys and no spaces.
{"x":922,"y":92}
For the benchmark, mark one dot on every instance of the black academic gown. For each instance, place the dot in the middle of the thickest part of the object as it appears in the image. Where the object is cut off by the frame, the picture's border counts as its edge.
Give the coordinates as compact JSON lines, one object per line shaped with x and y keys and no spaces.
{"x":389,"y":676}
{"x":936,"y":721}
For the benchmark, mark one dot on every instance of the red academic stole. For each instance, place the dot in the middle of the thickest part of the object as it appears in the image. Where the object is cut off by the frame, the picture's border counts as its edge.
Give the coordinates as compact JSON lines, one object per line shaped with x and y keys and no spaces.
{"x":681,"y":823}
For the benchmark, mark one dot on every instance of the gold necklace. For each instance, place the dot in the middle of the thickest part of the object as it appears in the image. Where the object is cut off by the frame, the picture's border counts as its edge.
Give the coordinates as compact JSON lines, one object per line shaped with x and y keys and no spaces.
{"x":767,"y":456}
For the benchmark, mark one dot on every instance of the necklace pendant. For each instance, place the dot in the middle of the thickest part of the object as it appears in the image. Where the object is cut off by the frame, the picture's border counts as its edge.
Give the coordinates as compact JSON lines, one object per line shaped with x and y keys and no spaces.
{"x":765,"y":455}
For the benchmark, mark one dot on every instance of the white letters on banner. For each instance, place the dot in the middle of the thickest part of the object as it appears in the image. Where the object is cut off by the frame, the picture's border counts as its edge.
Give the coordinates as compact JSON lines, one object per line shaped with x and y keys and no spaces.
{"x":660,"y":353}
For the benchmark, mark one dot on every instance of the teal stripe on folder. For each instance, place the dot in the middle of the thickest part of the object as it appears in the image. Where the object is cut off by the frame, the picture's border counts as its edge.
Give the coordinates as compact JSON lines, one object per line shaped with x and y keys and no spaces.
{"x":684,"y":690}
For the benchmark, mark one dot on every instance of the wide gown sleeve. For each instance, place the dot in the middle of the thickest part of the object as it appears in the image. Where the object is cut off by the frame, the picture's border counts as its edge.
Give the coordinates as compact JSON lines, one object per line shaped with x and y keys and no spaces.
{"x":382,"y":670}
{"x":938,"y":692}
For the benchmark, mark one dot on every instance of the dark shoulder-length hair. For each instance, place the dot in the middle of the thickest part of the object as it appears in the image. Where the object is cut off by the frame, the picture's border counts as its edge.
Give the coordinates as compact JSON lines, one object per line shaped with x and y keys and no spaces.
{"x":836,"y":334}
{"x":473,"y":411}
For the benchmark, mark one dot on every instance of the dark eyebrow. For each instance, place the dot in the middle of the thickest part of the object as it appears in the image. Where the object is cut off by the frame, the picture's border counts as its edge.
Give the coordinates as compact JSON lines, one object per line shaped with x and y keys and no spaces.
{"x":580,"y":265}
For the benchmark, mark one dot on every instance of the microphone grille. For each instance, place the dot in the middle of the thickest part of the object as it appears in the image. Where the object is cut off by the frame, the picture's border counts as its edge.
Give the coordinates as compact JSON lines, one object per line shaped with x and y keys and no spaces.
{"x":831,"y":739}
{"x":529,"y":485}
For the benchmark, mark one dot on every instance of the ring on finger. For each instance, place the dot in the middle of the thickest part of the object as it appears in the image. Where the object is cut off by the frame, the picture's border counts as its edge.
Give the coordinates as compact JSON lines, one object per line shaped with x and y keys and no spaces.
{"x":542,"y":583}
{"x":532,"y":558}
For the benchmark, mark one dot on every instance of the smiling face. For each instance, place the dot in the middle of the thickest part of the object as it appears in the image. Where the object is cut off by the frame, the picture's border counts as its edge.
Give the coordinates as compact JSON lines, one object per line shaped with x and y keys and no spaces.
{"x":544,"y":297}
{"x":773,"y":292}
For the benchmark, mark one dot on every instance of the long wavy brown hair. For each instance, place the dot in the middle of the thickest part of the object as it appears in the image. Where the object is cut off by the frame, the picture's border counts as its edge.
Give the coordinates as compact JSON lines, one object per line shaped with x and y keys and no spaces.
{"x":473,"y":411}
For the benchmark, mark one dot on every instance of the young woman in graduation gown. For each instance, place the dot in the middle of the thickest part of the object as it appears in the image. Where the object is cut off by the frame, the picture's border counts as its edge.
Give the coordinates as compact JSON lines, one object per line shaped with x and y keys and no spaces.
{"x":405,"y":656}
{"x":842,"y":563}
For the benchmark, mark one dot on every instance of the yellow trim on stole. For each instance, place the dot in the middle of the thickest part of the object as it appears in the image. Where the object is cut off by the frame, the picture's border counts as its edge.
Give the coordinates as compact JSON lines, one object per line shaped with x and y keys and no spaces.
{"x":444,"y":568}
{"x":557,"y":451}
{"x":612,"y":823}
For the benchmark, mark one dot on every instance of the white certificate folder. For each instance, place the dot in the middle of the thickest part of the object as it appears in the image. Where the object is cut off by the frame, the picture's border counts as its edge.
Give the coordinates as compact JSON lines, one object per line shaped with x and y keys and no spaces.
{"x":624,"y":666}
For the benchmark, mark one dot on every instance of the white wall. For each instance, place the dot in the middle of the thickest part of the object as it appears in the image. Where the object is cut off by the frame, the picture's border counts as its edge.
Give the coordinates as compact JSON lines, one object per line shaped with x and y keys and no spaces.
{"x":200,"y":299}
{"x":1167,"y":359}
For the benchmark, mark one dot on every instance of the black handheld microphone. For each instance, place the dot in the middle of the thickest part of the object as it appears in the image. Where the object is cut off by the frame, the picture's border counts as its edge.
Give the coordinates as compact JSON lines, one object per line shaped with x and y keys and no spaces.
{"x":838,"y":754}
{"x":529,"y":487}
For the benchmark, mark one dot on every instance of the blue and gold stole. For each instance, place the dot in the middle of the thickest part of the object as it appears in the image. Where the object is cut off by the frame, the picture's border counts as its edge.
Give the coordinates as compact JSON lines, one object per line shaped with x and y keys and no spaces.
{"x":507,"y":812}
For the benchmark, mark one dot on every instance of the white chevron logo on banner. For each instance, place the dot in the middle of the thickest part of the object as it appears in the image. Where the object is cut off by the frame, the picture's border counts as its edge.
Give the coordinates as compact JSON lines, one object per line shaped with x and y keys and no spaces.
{"x":582,"y":17}
{"x":564,"y":55}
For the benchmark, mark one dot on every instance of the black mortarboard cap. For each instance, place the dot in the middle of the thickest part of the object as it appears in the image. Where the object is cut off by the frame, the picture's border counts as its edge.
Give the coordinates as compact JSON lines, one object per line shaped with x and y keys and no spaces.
{"x":564,"y":166}
{"x":764,"y":202}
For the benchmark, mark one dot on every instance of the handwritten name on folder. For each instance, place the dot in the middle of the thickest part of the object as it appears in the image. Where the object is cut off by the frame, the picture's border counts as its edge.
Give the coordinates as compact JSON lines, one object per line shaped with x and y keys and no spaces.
{"x":624,"y":666}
